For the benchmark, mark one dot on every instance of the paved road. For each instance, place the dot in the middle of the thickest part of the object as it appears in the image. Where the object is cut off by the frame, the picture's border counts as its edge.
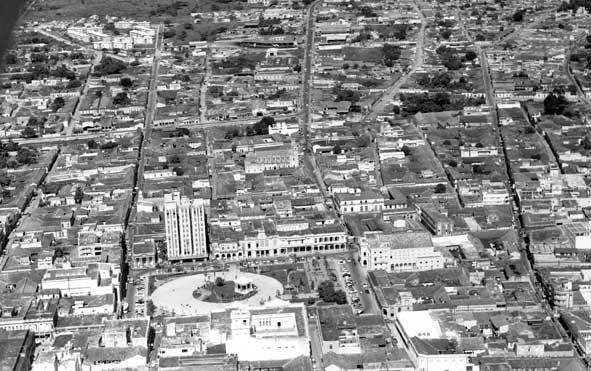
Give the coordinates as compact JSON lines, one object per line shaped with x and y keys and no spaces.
{"x":203,"y":91}
{"x":75,"y":119}
{"x":309,"y":158}
{"x":316,"y":343}
{"x":567,"y":69}
{"x":388,"y":95}
{"x":53,"y":140}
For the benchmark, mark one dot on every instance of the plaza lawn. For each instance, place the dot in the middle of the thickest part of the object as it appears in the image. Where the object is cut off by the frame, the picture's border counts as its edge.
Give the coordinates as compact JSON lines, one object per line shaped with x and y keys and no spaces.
{"x":223,"y":293}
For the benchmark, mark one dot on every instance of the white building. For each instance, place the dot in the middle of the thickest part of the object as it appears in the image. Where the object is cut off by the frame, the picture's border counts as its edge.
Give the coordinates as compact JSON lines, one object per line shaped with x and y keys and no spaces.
{"x":275,"y":331}
{"x":422,"y":337}
{"x":399,"y":252}
{"x":185,"y":227}
{"x":271,"y":159}
{"x":578,"y":233}
{"x":362,"y":202}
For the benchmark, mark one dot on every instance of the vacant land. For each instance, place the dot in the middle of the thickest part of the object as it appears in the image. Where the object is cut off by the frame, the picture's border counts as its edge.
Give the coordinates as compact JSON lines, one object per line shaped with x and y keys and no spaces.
{"x":154,"y":10}
{"x":367,"y":55}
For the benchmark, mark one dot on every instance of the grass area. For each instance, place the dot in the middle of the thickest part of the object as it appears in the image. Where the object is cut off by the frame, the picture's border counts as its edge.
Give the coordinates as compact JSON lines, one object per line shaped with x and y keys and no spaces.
{"x":364,"y":55}
{"x":189,"y":31}
{"x":288,"y":274}
{"x":223,"y":293}
{"x":153,"y":10}
{"x":299,"y":280}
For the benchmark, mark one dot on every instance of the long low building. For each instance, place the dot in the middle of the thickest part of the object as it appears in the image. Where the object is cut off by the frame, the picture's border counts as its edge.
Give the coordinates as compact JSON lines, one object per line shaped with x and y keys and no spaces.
{"x":268,"y":238}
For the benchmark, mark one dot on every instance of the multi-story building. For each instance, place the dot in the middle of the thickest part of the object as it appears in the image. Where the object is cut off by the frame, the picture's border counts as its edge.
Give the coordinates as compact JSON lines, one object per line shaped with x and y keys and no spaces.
{"x":399,"y":252}
{"x":363,"y":202}
{"x":273,"y":238}
{"x":271,"y":159}
{"x":184,"y":220}
{"x":274,"y":331}
{"x":437,"y":223}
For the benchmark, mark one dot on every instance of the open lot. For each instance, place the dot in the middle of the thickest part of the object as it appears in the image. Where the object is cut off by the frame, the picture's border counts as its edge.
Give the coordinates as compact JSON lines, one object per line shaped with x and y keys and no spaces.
{"x":138,"y":9}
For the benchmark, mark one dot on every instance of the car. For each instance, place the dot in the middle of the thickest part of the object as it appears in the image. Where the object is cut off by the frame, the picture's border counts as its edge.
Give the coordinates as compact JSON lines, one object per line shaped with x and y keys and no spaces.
{"x":349,"y":260}
{"x":365,"y":285}
{"x":341,"y":262}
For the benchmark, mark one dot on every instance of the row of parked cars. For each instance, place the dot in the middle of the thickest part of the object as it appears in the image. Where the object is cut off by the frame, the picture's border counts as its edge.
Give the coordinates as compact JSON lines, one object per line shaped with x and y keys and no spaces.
{"x":352,"y":292}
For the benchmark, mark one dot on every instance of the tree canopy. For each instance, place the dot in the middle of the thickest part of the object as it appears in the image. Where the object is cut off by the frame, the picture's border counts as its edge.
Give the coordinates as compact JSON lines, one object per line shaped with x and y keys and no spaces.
{"x":555,"y":104}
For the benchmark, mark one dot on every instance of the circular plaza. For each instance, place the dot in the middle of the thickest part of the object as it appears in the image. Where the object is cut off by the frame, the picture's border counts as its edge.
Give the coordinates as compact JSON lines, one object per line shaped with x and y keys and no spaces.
{"x":192,"y":295}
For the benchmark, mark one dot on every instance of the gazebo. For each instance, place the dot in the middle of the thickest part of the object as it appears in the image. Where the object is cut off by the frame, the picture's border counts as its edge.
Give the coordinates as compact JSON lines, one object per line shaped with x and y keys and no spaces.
{"x":243,"y":285}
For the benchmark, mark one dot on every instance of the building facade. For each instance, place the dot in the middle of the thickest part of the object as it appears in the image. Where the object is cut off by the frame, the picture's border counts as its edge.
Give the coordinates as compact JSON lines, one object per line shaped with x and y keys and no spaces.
{"x":399,"y":252}
{"x":185,"y":227}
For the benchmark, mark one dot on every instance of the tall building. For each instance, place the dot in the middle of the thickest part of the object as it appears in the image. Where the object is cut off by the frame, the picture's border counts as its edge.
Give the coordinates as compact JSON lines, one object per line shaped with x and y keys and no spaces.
{"x":185,"y":227}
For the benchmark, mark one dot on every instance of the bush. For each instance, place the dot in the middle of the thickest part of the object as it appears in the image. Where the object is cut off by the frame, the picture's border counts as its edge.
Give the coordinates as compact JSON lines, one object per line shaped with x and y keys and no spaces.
{"x":126,"y":82}
{"x":109,"y":66}
{"x":29,"y":132}
{"x":440,"y":188}
{"x":391,"y":54}
{"x":121,"y":99}
{"x":470,"y":55}
{"x":72,"y":84}
{"x":555,"y":104}
{"x":58,"y":103}
{"x":518,"y":16}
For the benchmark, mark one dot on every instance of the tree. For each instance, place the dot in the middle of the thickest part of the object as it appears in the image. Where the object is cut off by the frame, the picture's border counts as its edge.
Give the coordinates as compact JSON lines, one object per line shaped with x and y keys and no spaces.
{"x":150,"y":308}
{"x":219,"y":281}
{"x":178,"y":171}
{"x":29,"y":132}
{"x":262,"y":126}
{"x":326,"y":291}
{"x":72,"y":84}
{"x":26,"y":156}
{"x":78,"y":195}
{"x":337,"y":149}
{"x":470,"y":55}
{"x":406,"y":150}
{"x":446,"y":33}
{"x":92,"y":144}
{"x":452,"y":62}
{"x":10,"y":58}
{"x":57,"y":104}
{"x":440,"y":188}
{"x":391,"y":54}
{"x":518,"y":16}
{"x":121,"y":99}
{"x":126,"y":82}
{"x":452,"y":163}
{"x":555,"y":104}
{"x":297,"y":68}
{"x":232,"y":133}
{"x":340,"y":297}
{"x":109,"y":66}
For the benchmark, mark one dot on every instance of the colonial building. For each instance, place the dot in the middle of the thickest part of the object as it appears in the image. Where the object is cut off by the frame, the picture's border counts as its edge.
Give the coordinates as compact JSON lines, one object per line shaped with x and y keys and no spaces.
{"x":399,"y":252}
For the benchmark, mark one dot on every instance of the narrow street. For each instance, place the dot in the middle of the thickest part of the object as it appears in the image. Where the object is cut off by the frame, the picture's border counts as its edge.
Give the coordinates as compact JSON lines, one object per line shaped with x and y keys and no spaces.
{"x":388,"y":95}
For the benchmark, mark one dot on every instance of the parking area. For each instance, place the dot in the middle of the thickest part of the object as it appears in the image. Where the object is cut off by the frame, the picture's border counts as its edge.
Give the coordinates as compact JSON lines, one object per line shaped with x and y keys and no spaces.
{"x":352,"y":278}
